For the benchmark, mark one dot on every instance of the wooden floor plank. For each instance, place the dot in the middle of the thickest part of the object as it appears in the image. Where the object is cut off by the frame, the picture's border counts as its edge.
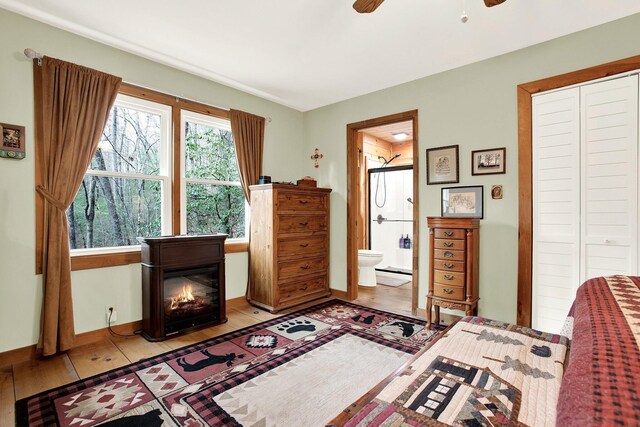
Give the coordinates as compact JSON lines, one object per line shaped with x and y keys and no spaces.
{"x":34,"y":376}
{"x":7,"y":397}
{"x":95,"y":358}
{"x":137,"y":348}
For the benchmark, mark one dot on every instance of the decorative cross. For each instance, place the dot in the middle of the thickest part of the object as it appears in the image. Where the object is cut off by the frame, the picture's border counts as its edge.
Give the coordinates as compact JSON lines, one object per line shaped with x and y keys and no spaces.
{"x":316,"y":156}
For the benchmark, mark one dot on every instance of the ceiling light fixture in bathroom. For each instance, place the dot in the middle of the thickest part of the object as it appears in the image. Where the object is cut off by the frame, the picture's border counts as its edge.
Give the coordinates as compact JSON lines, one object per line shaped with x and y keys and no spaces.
{"x":400,"y":136}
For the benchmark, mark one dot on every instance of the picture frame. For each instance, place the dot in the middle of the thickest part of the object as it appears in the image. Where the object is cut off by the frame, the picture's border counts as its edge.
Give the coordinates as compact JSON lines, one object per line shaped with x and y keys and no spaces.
{"x":12,"y":141}
{"x":443,"y":165}
{"x":496,"y":192}
{"x":463,"y":202}
{"x":489,"y":162}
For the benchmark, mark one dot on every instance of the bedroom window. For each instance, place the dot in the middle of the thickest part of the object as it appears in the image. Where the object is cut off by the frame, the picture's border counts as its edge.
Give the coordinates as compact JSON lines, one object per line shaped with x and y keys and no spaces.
{"x":164,"y":166}
{"x":211,"y":192}
{"x":126,"y":191}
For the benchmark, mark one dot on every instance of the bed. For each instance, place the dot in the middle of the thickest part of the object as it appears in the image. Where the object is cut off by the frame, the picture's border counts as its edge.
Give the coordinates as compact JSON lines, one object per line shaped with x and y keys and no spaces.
{"x":485,"y":372}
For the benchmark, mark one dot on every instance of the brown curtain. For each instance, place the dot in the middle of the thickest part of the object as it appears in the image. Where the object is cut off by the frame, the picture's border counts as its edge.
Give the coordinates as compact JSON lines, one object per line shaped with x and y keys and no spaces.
{"x":72,"y":107}
{"x":248,"y":134}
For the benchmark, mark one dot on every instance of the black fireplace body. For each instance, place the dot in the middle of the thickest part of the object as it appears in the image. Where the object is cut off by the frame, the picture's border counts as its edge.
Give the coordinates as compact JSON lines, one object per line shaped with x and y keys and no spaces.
{"x":182,"y":284}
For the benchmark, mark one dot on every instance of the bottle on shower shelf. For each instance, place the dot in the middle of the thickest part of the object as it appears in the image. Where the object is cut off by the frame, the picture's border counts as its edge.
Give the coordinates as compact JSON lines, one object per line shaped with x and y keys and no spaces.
{"x":407,"y":242}
{"x":401,"y":242}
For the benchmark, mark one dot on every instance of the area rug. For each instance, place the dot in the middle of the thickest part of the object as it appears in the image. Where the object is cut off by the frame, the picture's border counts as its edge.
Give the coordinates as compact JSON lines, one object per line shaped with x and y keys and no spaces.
{"x":393,"y":282}
{"x":299,"y":369}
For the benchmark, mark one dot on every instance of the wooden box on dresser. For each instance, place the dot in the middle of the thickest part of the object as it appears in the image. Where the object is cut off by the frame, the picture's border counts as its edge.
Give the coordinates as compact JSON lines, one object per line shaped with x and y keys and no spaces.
{"x":453,"y":259}
{"x":289,"y":246}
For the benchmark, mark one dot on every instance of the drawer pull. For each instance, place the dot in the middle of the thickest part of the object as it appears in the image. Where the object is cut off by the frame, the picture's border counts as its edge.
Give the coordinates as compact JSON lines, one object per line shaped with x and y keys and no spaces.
{"x":448,"y":233}
{"x":304,"y":245}
{"x":448,"y":244}
{"x":447,"y":291}
{"x":448,"y":276}
{"x":304,"y":224}
{"x":304,"y":202}
{"x":305,"y":267}
{"x":304,"y":288}
{"x":448,"y":265}
{"x":448,"y":254}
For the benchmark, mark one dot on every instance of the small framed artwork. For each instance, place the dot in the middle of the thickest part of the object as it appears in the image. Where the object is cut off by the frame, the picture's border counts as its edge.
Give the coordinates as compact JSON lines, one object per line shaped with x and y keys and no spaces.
{"x":488,"y":162}
{"x":463,"y":201}
{"x":496,"y":191}
{"x":12,"y":145}
{"x":442,"y":165}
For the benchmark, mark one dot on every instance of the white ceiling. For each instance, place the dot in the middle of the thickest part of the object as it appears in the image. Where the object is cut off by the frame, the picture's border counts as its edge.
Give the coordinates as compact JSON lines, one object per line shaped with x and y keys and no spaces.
{"x":309,"y":53}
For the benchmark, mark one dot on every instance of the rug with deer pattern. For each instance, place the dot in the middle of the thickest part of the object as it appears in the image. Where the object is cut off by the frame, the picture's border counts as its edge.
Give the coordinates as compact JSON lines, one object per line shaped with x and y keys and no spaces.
{"x":301,"y":368}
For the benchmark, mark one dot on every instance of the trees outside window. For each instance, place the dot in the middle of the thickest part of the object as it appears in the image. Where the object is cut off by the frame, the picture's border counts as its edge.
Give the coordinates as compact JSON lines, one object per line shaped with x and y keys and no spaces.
{"x":127,"y":190}
{"x":212,"y":193}
{"x":122,"y":194}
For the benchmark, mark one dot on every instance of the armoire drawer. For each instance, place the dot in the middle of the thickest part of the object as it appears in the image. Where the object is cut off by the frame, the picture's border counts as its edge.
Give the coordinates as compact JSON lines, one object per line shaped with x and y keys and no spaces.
{"x":295,"y":268}
{"x":301,"y":223}
{"x":448,"y":255}
{"x":440,"y":264}
{"x":454,"y":244}
{"x":300,"y":202}
{"x":302,"y":246}
{"x":449,"y":233}
{"x":449,"y":277}
{"x":448,"y":291}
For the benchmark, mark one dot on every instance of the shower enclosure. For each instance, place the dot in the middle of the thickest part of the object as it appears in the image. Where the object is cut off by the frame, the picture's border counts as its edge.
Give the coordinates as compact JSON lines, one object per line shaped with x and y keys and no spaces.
{"x":391,"y":217}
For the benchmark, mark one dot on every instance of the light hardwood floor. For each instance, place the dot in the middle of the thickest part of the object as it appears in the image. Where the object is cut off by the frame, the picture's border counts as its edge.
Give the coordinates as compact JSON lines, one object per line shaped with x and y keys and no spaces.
{"x":27,"y":378}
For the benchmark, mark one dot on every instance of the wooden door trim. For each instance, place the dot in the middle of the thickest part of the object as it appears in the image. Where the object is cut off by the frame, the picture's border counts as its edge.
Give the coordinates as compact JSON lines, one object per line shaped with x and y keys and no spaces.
{"x":525,"y":170}
{"x":352,"y":200}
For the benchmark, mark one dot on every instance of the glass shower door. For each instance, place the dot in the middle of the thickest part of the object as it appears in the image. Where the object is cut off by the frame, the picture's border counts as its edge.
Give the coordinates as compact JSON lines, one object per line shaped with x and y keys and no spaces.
{"x":391,"y":217}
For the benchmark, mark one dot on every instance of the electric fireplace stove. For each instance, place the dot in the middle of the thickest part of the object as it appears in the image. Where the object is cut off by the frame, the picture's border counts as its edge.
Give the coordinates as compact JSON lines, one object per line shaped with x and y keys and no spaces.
{"x":182,"y":284}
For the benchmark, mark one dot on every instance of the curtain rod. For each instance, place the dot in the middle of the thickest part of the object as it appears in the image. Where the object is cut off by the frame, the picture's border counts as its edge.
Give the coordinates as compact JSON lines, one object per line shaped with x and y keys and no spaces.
{"x":32,"y":54}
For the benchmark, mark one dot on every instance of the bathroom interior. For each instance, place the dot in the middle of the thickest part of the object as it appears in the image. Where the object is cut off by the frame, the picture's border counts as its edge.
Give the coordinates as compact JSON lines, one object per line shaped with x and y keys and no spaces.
{"x":385,"y":214}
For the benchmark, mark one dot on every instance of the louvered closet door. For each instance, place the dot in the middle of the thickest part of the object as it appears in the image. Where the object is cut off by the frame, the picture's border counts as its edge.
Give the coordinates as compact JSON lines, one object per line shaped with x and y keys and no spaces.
{"x":609,"y":148}
{"x":556,"y":206}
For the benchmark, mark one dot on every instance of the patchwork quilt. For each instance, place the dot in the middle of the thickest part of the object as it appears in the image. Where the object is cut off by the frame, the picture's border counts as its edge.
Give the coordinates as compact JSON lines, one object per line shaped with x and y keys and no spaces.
{"x":602,"y":382}
{"x":481,"y":372}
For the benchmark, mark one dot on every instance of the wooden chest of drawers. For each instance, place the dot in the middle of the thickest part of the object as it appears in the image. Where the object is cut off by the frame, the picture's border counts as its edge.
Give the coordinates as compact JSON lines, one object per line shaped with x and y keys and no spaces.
{"x":289,"y":247}
{"x":453,"y":256}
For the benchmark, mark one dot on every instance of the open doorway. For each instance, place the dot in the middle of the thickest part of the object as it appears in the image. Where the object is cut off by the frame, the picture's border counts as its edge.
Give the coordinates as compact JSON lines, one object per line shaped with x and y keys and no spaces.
{"x":382,"y":210}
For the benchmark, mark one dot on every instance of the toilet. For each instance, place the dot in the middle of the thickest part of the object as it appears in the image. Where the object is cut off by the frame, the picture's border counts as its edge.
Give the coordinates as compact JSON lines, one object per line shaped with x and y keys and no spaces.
{"x":367,"y":260}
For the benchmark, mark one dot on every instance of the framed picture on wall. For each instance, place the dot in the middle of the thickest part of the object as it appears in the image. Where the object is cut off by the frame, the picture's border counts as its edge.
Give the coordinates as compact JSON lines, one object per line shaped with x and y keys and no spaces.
{"x":488,"y":162}
{"x":463,"y":201}
{"x":12,"y":142}
{"x":442,"y":165}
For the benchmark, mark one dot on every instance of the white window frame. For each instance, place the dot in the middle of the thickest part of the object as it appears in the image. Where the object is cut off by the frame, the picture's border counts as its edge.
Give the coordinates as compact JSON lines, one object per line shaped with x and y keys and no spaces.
{"x":212,"y":121}
{"x":164,"y":175}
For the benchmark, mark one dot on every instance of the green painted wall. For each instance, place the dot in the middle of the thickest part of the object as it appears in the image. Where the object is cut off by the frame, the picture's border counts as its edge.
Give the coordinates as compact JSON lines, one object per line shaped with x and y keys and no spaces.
{"x":475,"y":107}
{"x":20,"y":288}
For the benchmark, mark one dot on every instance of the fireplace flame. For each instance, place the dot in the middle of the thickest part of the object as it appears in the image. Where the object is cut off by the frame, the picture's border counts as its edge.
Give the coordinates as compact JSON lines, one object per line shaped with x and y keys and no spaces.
{"x":184,"y":296}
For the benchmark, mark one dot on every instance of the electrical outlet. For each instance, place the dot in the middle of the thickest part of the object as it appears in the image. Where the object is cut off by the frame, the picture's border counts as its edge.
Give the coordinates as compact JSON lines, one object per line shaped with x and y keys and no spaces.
{"x":111,"y":310}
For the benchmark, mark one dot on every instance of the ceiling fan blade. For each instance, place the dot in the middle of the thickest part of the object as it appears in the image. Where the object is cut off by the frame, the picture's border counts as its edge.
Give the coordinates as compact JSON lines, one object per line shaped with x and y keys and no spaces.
{"x":367,"y":6}
{"x":491,"y":3}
